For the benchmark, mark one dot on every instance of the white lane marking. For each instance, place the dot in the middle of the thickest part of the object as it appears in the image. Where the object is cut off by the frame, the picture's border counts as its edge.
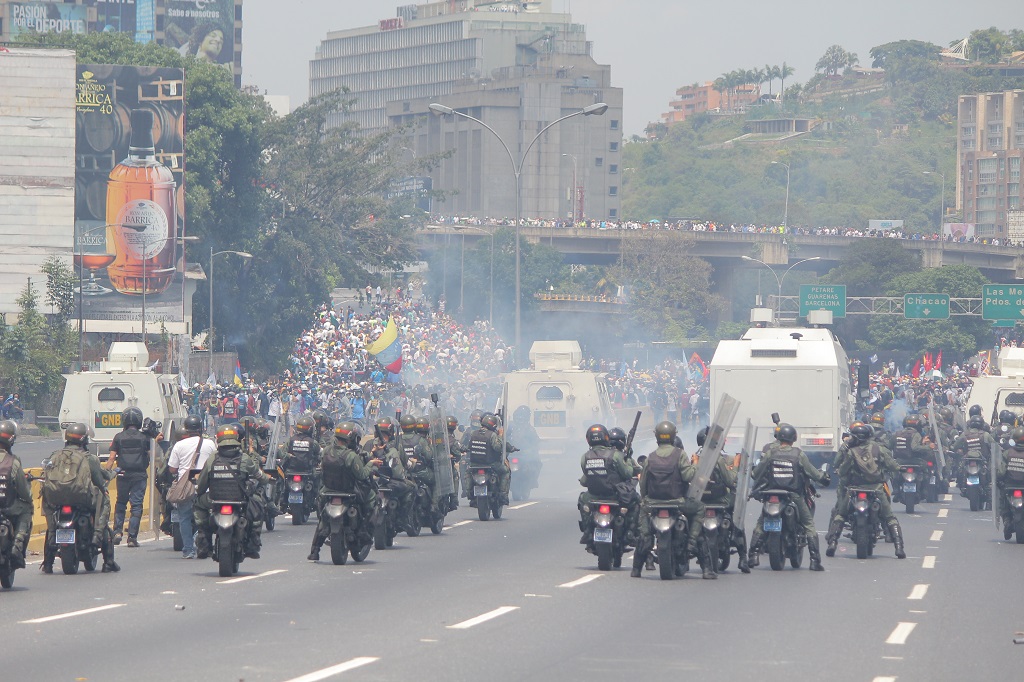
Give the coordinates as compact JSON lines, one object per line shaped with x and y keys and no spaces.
{"x":335,"y":669}
{"x":460,"y":523}
{"x":936,"y":536}
{"x":524,"y":504}
{"x":483,"y":618}
{"x":947,"y":498}
{"x":929,"y":562}
{"x":918,"y":592}
{"x":913,"y":611}
{"x":582,"y":581}
{"x":943,"y":513}
{"x":900,"y":634}
{"x":531,"y":594}
{"x":72,"y":614}
{"x":884,"y":679}
{"x":252,"y":577}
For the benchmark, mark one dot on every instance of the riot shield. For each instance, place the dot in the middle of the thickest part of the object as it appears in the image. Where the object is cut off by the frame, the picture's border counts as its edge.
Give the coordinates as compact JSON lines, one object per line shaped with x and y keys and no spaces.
{"x":440,"y":453}
{"x":938,"y":439}
{"x":743,"y":468}
{"x":996,"y":457}
{"x":726,"y":412}
{"x":503,"y":416}
{"x":275,"y":437}
{"x":958,"y":419}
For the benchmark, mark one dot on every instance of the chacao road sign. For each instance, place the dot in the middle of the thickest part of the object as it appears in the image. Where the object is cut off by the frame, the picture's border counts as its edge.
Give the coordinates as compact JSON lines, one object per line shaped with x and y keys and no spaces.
{"x":823,"y":297}
{"x":1002,"y":302}
{"x":926,"y":306}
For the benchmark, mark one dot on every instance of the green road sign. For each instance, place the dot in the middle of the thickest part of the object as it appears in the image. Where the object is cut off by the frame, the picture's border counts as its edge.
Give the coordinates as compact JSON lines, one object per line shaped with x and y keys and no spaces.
{"x":823,"y":297}
{"x":1004,"y":323}
{"x":926,"y":306}
{"x":1002,"y":302}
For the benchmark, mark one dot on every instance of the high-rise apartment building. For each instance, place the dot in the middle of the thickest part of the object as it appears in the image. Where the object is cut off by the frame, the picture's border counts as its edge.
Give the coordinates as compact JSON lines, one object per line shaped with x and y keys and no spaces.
{"x":516,"y":66}
{"x":990,"y":146}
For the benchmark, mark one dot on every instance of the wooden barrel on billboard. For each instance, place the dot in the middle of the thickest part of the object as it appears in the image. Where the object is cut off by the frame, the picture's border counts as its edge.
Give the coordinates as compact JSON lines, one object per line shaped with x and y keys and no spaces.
{"x":106,"y":132}
{"x":164,"y":126}
{"x":91,"y":196}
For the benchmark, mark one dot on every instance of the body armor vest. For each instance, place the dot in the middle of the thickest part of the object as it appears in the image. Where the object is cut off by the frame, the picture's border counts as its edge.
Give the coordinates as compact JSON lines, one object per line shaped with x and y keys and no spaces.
{"x":479,"y":450}
{"x":601,"y":475}
{"x":1015,"y":466}
{"x":226,"y":479}
{"x":336,"y":474}
{"x":974,"y":442}
{"x":784,"y":471}
{"x":664,"y":480}
{"x":901,"y":444}
{"x":7,"y":482}
{"x":302,"y":449}
{"x":131,"y":451}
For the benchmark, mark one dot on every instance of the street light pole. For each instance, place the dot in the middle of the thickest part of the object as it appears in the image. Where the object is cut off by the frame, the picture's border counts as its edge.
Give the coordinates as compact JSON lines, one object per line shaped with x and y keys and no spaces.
{"x":209,"y":335}
{"x":779,"y":281}
{"x":517,"y":169}
{"x":942,"y":206}
{"x":575,"y":187}
{"x":490,"y":296}
{"x":785,"y":215}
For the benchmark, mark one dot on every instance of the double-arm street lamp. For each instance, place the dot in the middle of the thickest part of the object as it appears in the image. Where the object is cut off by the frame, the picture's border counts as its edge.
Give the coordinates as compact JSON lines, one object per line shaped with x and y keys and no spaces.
{"x":209,"y":336}
{"x":942,"y":207}
{"x":517,"y":170}
{"x":779,"y":280}
{"x":785,"y":215}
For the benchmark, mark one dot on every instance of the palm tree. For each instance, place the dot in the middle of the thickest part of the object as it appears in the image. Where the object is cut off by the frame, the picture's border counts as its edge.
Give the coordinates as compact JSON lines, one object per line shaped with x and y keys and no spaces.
{"x":785,"y":71}
{"x":720,"y":86}
{"x":770,"y":74}
{"x":760,"y":76}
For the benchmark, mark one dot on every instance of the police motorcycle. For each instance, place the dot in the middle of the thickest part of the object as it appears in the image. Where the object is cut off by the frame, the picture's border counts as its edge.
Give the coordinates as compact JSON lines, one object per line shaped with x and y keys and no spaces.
{"x":606,"y":526}
{"x":782,"y":537}
{"x":485,"y":491}
{"x":387,"y":527}
{"x":975,"y":481}
{"x":72,"y":539}
{"x":671,"y":537}
{"x":863,"y":521}
{"x":426,"y":511}
{"x":266,"y":447}
{"x":346,"y":521}
{"x":301,"y":495}
{"x":1015,"y":499}
{"x":7,"y":565}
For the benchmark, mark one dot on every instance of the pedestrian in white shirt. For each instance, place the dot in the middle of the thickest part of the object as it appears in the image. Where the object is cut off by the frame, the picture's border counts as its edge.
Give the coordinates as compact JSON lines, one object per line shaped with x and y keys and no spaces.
{"x":180,"y":464}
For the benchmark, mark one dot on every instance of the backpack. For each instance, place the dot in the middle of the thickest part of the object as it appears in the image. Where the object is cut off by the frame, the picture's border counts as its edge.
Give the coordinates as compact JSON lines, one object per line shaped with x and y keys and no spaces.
{"x":865,"y":459}
{"x":664,"y":482}
{"x":68,"y":479}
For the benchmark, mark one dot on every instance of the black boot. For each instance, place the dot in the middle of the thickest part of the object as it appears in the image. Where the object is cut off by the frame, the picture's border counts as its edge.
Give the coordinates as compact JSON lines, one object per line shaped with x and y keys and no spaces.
{"x":109,"y":565}
{"x":202,"y":545}
{"x":707,"y":562}
{"x":18,"y":555}
{"x":638,"y":563}
{"x":754,"y":557}
{"x":815,"y":552}
{"x":49,"y":554}
{"x":897,"y":540}
{"x":741,"y":551}
{"x":314,"y":551}
{"x":834,"y":533}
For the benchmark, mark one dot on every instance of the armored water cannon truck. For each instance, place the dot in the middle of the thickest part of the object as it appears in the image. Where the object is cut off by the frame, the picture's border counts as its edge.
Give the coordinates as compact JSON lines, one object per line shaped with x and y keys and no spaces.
{"x":125,"y":379}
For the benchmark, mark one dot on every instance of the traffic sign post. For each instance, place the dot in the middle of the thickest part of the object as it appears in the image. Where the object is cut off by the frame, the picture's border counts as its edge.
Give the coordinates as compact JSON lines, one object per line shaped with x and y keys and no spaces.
{"x":926,"y":306}
{"x":830,"y":297}
{"x":1002,"y":302}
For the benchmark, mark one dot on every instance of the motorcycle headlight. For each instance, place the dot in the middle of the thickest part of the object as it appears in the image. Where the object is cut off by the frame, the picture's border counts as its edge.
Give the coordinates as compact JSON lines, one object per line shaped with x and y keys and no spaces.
{"x":772,"y":508}
{"x":710,"y":522}
{"x":861,"y":505}
{"x":602,"y":520}
{"x":295,"y":486}
{"x":908,"y":476}
{"x":662,"y":524}
{"x":479,"y":479}
{"x":335,"y":510}
{"x":225,"y":520}
{"x":973,"y":468}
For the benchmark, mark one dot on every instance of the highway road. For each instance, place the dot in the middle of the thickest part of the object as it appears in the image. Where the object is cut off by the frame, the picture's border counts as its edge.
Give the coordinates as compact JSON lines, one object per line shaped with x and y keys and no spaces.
{"x":519,"y":599}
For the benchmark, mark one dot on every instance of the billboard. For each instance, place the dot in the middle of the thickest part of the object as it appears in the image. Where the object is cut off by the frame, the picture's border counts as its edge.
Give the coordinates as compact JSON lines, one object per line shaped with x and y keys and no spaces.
{"x":203,"y":28}
{"x":27,"y":18}
{"x":885,"y":224}
{"x":129,"y":194}
{"x":958,"y":231}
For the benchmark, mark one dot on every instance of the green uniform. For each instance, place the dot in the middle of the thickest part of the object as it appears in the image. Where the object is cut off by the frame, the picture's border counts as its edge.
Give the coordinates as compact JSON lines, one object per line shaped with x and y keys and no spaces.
{"x":485,"y":449}
{"x":1010,"y":473}
{"x":856,"y":474}
{"x":600,"y":484}
{"x":16,"y":500}
{"x":456,"y":452}
{"x":693,"y":510}
{"x":248,"y":476}
{"x":345,"y":471}
{"x":721,"y":490}
{"x":803,"y":470}
{"x":394,"y":467}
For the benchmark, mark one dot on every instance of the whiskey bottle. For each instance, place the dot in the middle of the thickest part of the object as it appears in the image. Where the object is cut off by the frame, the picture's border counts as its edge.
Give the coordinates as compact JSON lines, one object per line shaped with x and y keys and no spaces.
{"x":141,"y":215}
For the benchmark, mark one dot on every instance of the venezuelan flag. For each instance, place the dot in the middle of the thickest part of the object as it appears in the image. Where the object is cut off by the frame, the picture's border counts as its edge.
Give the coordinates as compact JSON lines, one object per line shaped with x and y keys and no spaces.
{"x":238,"y":374}
{"x":387,"y":349}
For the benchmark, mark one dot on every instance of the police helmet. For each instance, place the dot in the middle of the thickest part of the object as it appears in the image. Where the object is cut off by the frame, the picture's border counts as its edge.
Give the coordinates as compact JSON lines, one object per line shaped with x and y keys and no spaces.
{"x":263,"y":428}
{"x":860,"y":432}
{"x":228,"y":436}
{"x":193,"y":424}
{"x":521,"y":414}
{"x":1018,"y":438}
{"x":452,"y":422}
{"x":8,"y":432}
{"x":597,"y":434}
{"x":474,"y":417}
{"x":131,"y":417}
{"x":617,"y":438}
{"x":975,"y":410}
{"x":348,"y":433}
{"x":384,"y":428}
{"x":305,"y":424}
{"x":77,"y":434}
{"x":247,"y":425}
{"x":946,"y":414}
{"x":702,"y":436}
{"x":491,"y":422}
{"x":878,"y":418}
{"x":423,"y":426}
{"x":1007,"y":417}
{"x":408,"y":423}
{"x":664,"y":433}
{"x":319,"y":419}
{"x":976,"y":422}
{"x":677,"y":442}
{"x":787,"y":433}
{"x":911,"y":421}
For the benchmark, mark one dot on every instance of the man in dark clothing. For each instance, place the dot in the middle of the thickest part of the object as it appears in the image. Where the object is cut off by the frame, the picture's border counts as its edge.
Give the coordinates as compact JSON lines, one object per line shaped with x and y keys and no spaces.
{"x":130,"y":452}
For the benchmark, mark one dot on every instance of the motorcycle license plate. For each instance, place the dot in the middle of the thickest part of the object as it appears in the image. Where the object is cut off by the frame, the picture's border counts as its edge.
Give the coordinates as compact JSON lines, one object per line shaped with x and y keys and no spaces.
{"x":602,"y":535}
{"x":773,"y":524}
{"x":295,"y":498}
{"x":479,"y":491}
{"x":973,"y":480}
{"x":65,"y":536}
{"x":932,"y":481}
{"x":910,"y":487}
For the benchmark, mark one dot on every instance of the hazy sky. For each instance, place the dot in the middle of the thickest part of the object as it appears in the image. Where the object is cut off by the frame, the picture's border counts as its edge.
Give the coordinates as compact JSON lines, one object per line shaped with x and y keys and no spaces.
{"x":653,"y":46}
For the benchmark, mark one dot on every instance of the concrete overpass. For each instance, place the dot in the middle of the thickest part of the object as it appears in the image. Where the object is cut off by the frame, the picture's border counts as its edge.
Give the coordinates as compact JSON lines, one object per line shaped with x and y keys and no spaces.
{"x":724,"y":249}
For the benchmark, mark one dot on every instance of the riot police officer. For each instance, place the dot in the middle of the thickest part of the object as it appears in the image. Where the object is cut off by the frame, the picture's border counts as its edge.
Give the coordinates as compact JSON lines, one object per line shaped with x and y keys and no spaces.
{"x":604,"y":470}
{"x":721,"y":490}
{"x":485,"y":450}
{"x":394,"y":465}
{"x":15,"y":493}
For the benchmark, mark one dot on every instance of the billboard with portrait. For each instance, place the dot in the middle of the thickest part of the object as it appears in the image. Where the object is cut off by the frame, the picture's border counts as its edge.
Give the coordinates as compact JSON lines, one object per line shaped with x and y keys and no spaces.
{"x":202,"y":28}
{"x":129,"y":195}
{"x":28,"y":18}
{"x":958,"y":231}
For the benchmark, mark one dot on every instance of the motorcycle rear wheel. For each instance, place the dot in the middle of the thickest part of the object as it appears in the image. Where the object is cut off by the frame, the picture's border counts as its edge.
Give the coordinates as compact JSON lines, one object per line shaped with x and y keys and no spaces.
{"x":437,"y":526}
{"x":910,"y":499}
{"x":1020,"y":537}
{"x":7,"y":578}
{"x":68,"y":559}
{"x":339,"y":550}
{"x":483,"y":508}
{"x":496,"y":510}
{"x":604,"y":555}
{"x":225,"y":554}
{"x":90,"y":559}
{"x":974,"y":497}
{"x":414,"y":528}
{"x":932,"y":493}
{"x":360,"y":552}
{"x":797,"y":558}
{"x":861,"y":539}
{"x":666,"y":557}
{"x":298,"y":514}
{"x":380,"y":536}
{"x":270,"y":521}
{"x":775,"y":556}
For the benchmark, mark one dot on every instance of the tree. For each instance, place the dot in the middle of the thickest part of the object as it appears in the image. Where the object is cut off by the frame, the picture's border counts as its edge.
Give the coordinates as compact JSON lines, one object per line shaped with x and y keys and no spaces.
{"x":785,"y":71}
{"x":835,"y":60}
{"x":33,"y":354}
{"x":883,"y":56}
{"x":987,"y":45}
